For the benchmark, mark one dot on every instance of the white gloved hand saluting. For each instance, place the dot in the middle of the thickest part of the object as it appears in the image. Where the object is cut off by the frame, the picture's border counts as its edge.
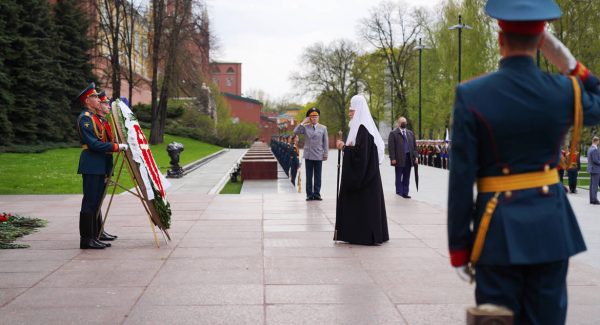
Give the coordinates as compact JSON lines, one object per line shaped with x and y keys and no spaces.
{"x":123,"y":147}
{"x":558,"y":54}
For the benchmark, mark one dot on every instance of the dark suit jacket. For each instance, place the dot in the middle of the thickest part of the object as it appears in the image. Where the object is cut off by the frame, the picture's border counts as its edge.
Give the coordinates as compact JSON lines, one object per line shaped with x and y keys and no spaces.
{"x":396,"y":146}
{"x":593,"y":160}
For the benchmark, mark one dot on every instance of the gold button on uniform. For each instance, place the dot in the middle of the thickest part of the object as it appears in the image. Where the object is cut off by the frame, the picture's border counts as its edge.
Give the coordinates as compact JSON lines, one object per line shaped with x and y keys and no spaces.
{"x":545,"y":189}
{"x":505,"y":171}
{"x":508,"y":194}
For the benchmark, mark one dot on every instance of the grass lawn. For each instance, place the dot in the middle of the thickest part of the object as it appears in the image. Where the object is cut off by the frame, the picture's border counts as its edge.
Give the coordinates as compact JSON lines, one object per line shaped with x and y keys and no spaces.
{"x":232,"y":188}
{"x":55,"y":171}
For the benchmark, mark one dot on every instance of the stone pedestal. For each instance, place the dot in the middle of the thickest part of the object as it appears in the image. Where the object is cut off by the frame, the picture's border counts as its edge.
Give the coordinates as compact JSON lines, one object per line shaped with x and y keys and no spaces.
{"x":259,"y":163}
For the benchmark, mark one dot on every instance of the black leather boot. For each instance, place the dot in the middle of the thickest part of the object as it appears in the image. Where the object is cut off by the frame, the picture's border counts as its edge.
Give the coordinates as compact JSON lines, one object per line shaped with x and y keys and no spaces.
{"x":103,"y":235}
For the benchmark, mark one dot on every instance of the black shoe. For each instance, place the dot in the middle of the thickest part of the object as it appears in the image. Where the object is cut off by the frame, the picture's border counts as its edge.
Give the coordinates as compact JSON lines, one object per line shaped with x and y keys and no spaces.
{"x":104,"y":236}
{"x":104,"y":233}
{"x":317,"y":197}
{"x":102,"y":243}
{"x":90,"y":244}
{"x":595,"y":203}
{"x":309,"y":198}
{"x":406,"y":196}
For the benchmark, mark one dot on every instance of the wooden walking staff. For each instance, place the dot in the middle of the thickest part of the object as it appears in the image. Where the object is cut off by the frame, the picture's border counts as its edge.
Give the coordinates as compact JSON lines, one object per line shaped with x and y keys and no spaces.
{"x":337,"y":185}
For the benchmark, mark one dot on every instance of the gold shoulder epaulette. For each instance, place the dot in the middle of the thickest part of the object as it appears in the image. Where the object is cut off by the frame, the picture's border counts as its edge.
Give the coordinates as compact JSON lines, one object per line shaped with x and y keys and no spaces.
{"x":87,"y":114}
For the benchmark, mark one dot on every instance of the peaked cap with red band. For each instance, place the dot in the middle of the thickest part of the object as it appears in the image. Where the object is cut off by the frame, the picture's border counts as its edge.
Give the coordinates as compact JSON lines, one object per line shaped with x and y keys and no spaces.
{"x":87,"y":92}
{"x":526,"y":17}
{"x":103,"y":97}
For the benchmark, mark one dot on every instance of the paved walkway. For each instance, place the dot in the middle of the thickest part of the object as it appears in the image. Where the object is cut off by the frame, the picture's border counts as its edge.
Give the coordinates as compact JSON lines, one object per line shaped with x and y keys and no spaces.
{"x":210,"y":178}
{"x":255,"y":258}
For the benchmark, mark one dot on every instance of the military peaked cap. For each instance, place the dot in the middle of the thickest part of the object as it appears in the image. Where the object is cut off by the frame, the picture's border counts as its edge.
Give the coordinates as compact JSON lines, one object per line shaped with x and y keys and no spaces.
{"x":87,"y":92}
{"x":313,"y":112}
{"x":523,"y":10}
{"x":103,"y":97}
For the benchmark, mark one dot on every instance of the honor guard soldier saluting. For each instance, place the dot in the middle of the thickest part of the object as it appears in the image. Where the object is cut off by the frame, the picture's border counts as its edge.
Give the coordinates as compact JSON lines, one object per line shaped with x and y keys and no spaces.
{"x":316,"y":150}
{"x":508,"y":127}
{"x":93,"y":166}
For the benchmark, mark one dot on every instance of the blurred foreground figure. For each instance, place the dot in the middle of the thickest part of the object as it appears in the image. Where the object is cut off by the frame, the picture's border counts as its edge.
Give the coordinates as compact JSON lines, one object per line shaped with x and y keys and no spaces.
{"x":516,"y":238}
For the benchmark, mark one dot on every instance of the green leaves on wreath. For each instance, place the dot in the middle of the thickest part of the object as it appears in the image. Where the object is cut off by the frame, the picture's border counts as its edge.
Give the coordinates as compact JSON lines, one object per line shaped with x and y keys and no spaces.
{"x":163,"y":208}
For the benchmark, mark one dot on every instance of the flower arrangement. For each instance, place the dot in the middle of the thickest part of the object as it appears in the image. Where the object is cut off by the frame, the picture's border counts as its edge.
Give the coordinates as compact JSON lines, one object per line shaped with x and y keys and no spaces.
{"x":4,"y":217}
{"x":13,"y":227}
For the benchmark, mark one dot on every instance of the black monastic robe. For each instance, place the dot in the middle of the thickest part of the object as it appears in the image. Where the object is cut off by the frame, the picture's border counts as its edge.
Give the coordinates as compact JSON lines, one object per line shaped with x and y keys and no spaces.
{"x":360,"y":214}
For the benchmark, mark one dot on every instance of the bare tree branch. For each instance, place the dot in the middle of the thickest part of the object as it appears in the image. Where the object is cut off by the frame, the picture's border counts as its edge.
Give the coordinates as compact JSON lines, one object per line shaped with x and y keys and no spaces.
{"x":393,"y":33}
{"x":330,"y":73}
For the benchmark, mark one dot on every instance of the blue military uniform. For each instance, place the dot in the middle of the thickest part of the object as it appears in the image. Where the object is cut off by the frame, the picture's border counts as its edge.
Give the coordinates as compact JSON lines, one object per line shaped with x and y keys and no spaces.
{"x":294,"y":163}
{"x":108,"y":136}
{"x":94,"y":167}
{"x":511,"y":122}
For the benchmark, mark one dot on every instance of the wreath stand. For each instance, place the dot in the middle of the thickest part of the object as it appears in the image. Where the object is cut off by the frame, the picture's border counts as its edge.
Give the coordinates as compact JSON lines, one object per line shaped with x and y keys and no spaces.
{"x":126,"y":159}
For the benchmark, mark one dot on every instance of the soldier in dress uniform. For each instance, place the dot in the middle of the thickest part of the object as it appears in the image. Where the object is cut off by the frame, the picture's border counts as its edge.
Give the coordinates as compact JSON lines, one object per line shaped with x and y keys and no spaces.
{"x":573,"y":171}
{"x":294,"y":160}
{"x":93,"y":166}
{"x":103,"y":113}
{"x":316,"y":149}
{"x":508,"y":129}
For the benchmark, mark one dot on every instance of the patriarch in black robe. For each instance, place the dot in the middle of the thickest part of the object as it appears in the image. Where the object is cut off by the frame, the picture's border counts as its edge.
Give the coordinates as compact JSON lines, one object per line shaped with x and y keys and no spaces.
{"x":360,"y":214}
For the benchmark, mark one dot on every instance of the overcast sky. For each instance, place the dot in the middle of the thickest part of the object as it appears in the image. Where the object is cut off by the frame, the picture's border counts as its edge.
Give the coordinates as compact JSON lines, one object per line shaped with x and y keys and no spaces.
{"x":269,"y":36}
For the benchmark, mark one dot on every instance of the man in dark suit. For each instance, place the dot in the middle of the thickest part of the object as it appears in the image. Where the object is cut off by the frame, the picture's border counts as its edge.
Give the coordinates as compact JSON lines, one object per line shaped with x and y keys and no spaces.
{"x":593,"y":156}
{"x":402,"y":148}
{"x":516,"y":237}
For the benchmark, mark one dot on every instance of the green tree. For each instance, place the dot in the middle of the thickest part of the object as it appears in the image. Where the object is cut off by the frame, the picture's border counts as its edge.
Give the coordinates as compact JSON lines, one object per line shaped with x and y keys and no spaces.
{"x":576,"y":29}
{"x":479,"y":55}
{"x":330,"y":73}
{"x":372,"y":69}
{"x":391,"y":29}
{"x":72,"y":48}
{"x":8,"y":27}
{"x":37,"y":113}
